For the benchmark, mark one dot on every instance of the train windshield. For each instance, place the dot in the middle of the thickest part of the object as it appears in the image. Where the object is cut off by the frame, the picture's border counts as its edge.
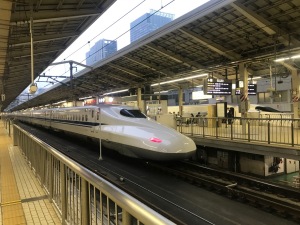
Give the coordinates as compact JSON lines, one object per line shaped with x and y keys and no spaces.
{"x":134,"y":113}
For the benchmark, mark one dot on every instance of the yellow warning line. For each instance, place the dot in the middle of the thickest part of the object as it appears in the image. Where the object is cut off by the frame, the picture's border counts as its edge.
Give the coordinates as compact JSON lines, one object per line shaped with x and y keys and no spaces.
{"x":11,"y":203}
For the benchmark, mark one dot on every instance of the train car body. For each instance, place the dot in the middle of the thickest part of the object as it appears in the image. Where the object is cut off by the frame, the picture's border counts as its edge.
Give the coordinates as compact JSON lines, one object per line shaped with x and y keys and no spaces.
{"x":121,"y":128}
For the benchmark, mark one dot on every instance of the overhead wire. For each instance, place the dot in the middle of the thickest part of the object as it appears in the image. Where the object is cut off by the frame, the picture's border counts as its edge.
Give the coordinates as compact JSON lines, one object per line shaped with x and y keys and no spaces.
{"x":150,"y":15}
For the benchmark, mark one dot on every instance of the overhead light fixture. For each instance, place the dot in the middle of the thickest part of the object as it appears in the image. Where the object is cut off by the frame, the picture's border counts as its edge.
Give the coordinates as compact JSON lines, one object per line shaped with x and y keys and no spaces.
{"x":83,"y":98}
{"x":180,"y":79}
{"x":295,"y":56}
{"x":59,"y":102}
{"x":114,"y":92}
{"x":254,"y":78}
{"x":287,"y":58}
{"x":281,"y":59}
{"x":157,"y":92}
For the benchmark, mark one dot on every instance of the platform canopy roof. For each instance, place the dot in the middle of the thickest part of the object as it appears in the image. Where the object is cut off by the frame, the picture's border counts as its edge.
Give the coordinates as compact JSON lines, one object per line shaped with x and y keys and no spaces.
{"x":56,"y":24}
{"x":214,"y":39}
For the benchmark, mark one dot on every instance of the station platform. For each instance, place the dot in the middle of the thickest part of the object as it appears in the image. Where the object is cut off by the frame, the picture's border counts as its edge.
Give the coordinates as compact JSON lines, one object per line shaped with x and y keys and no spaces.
{"x":23,"y":201}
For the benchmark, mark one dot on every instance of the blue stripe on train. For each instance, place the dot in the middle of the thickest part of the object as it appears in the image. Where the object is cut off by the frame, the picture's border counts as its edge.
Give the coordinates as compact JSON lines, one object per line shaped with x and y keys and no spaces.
{"x":70,"y":122}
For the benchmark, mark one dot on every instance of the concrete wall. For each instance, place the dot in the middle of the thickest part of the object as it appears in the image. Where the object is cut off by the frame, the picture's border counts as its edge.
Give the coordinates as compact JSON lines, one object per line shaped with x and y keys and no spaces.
{"x":248,"y":165}
{"x":212,"y":160}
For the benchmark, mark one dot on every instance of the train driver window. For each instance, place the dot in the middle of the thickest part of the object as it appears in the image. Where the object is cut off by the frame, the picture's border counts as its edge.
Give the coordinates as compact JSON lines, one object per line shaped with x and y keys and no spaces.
{"x":133,"y":113}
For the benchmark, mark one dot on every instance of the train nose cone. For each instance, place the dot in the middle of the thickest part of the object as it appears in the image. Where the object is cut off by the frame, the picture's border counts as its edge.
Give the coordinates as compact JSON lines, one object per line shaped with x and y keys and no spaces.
{"x":176,"y":147}
{"x":183,"y":145}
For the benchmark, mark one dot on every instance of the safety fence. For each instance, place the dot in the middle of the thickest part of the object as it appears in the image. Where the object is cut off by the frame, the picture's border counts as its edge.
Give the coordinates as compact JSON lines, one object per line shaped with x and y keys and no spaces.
{"x":265,"y":130}
{"x":80,"y":196}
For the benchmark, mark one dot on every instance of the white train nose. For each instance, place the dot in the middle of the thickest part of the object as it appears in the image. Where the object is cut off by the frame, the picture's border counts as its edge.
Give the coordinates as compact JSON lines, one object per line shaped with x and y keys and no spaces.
{"x":170,"y":146}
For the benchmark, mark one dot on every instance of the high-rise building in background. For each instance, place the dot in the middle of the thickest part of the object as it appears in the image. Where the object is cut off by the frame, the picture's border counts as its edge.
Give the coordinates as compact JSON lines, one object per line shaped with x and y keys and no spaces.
{"x":148,"y":23}
{"x":102,"y":49}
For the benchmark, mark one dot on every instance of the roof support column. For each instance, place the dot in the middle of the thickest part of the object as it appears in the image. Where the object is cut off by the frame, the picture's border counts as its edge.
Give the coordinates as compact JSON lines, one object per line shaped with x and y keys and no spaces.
{"x":295,"y":93}
{"x":180,"y":100}
{"x":139,"y":100}
{"x":244,"y":101}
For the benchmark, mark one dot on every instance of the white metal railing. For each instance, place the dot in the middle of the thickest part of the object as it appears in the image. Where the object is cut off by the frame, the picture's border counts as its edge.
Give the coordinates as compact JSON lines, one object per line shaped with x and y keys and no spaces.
{"x":266,"y":130}
{"x":80,"y":196}
{"x":276,"y":115}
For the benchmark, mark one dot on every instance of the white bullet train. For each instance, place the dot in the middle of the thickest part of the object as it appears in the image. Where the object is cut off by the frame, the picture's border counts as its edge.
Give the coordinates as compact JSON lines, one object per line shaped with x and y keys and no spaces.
{"x":124,"y":129}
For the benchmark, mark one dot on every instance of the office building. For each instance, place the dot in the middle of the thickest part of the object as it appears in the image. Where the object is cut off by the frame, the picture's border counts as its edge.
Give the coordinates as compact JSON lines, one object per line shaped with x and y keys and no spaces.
{"x":148,"y":23}
{"x":102,"y":49}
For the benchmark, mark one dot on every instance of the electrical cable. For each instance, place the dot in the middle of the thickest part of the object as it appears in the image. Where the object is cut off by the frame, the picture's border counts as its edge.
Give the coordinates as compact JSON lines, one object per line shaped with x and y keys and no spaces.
{"x":150,"y":15}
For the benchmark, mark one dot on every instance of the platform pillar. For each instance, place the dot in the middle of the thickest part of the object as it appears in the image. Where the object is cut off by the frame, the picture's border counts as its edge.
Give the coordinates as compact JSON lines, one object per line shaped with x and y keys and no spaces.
{"x":243,"y":103}
{"x":180,"y":100}
{"x":139,"y":100}
{"x":295,"y":87}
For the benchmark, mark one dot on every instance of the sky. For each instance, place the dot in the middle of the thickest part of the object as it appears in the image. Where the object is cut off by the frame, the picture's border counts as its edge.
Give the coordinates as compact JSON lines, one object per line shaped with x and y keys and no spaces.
{"x":114,"y":24}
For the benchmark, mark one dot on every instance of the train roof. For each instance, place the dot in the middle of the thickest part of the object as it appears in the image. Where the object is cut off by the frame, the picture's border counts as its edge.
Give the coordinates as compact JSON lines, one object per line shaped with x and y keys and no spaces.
{"x":266,"y":109}
{"x":94,"y":106}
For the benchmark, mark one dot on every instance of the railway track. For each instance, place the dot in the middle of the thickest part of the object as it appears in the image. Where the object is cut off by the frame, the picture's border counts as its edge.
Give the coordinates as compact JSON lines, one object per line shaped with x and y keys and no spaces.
{"x":151,"y":188}
{"x":276,"y":199}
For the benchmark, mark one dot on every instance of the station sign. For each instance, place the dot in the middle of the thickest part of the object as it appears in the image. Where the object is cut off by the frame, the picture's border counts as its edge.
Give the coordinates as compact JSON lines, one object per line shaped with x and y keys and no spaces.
{"x":252,"y":90}
{"x":91,"y":101}
{"x":213,"y":87}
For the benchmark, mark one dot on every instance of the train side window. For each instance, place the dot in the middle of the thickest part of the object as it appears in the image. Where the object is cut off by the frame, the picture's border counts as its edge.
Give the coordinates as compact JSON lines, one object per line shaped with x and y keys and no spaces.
{"x":92,"y":113}
{"x":86,"y":117}
{"x":98,"y":115}
{"x":82,"y":117}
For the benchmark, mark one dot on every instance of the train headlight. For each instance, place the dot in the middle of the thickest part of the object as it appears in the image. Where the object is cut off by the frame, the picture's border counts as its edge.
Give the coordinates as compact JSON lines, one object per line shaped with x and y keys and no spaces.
{"x":156,"y":140}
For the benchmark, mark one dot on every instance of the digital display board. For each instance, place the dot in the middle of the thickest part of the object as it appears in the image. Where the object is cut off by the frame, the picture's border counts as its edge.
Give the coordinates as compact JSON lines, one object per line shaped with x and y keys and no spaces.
{"x":218,"y":88}
{"x":252,"y":89}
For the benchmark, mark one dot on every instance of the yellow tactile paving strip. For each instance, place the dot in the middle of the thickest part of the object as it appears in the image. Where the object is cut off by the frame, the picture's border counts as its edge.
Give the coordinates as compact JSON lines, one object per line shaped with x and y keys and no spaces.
{"x":11,"y":206}
{"x":32,"y":202}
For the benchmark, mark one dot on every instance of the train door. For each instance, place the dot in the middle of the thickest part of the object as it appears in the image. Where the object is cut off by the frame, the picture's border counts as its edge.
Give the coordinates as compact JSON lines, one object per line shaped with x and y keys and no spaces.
{"x":97,"y":120}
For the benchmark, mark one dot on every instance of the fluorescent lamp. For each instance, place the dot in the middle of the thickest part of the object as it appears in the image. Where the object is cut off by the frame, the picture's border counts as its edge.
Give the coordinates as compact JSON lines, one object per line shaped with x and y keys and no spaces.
{"x":157,"y":92}
{"x":114,"y":92}
{"x":180,"y":79}
{"x":256,"y":78}
{"x":295,"y":56}
{"x":60,"y":102}
{"x":281,"y":59}
{"x":85,"y":97}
